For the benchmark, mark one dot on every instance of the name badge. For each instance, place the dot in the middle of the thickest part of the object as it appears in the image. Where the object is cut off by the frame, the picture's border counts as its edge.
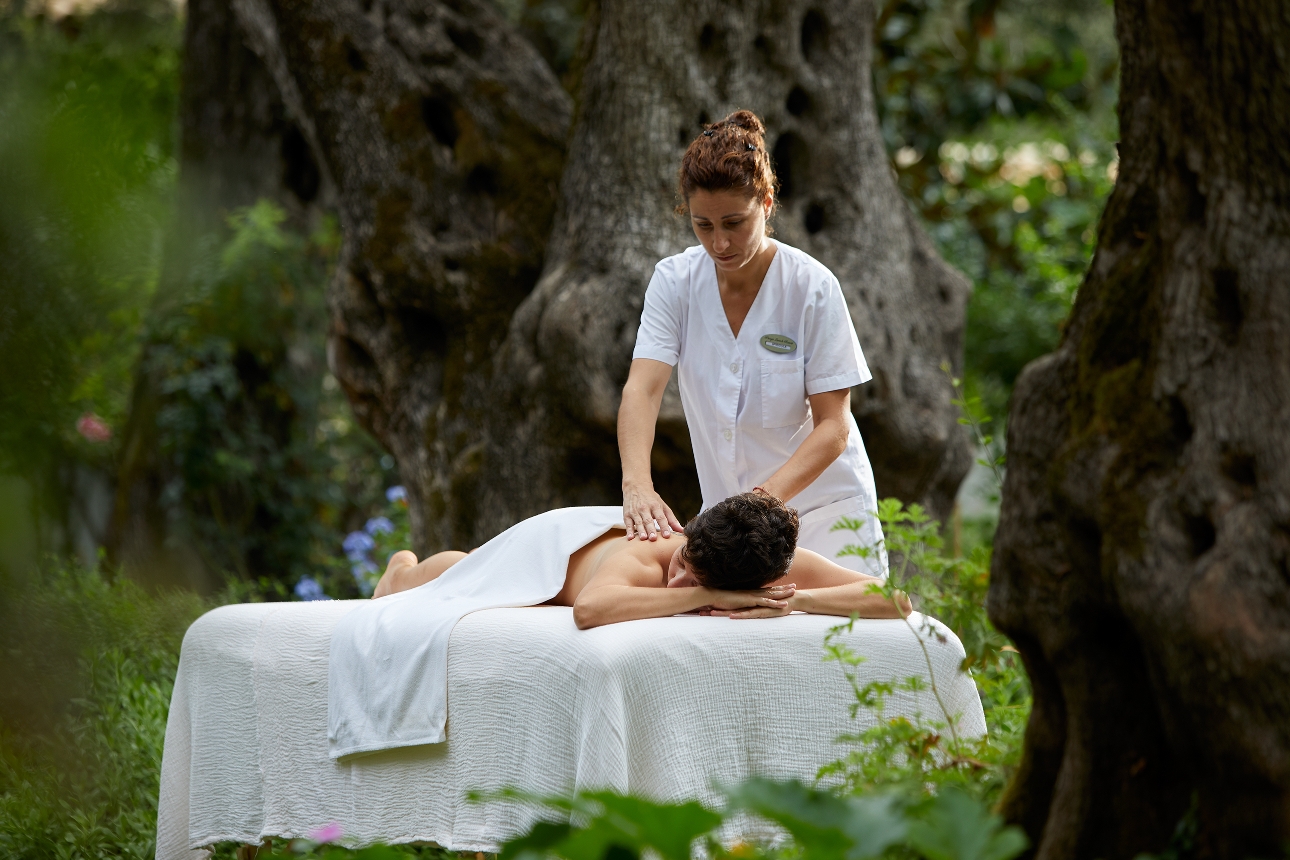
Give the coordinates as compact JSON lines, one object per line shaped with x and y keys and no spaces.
{"x":779,"y":343}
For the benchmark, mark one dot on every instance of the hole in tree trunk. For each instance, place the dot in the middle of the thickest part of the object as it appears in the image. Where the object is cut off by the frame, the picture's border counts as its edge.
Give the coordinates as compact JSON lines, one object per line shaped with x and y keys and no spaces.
{"x":437,"y":114}
{"x":354,"y":58}
{"x":1200,"y":531}
{"x":790,"y":158}
{"x":423,"y":332}
{"x":815,"y":35}
{"x":707,"y":38}
{"x":1179,"y":421}
{"x":813,"y":220}
{"x":299,"y":170}
{"x":1239,"y":467}
{"x":798,"y":101}
{"x":482,"y":179}
{"x":1227,"y":304}
{"x":467,"y":40}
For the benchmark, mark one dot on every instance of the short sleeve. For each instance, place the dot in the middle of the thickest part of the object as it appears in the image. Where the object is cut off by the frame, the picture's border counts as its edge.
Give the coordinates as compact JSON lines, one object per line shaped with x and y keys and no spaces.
{"x":832,"y":351}
{"x":659,"y":335}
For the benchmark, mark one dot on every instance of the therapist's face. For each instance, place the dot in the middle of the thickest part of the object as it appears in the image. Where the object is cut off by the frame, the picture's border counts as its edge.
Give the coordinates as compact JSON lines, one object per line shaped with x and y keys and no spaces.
{"x":731,"y":226}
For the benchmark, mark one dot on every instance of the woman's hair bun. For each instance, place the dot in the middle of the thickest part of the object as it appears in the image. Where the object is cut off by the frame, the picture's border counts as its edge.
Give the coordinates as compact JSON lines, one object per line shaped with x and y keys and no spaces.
{"x":745,"y":119}
{"x":728,"y":154}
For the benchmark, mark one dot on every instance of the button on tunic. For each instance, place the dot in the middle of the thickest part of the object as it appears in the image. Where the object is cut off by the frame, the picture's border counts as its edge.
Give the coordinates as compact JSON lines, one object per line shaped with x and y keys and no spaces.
{"x":745,"y":397}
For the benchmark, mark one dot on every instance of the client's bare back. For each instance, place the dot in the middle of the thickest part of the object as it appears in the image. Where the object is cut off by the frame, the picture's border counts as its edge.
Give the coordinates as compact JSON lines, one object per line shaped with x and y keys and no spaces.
{"x":404,"y":571}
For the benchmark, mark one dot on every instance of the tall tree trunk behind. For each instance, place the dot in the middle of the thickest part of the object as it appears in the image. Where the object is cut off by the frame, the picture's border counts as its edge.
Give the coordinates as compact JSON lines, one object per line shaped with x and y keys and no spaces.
{"x":444,"y":133}
{"x":1142,"y":561}
{"x":655,"y":73}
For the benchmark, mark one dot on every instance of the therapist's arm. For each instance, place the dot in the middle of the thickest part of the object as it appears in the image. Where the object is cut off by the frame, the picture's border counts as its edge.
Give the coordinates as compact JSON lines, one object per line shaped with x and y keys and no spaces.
{"x":637,"y":417}
{"x":824,"y":445}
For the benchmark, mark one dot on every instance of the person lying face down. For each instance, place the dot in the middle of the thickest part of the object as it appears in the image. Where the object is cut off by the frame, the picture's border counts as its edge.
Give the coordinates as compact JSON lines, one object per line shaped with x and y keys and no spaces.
{"x":739,"y":558}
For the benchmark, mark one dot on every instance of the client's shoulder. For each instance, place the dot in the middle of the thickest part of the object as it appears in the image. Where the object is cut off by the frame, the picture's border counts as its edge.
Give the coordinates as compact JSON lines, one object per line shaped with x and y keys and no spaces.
{"x":641,"y":563}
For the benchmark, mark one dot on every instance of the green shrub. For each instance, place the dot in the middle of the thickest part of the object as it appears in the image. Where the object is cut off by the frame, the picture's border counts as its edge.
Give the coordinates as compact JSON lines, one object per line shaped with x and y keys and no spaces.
{"x":85,"y":687}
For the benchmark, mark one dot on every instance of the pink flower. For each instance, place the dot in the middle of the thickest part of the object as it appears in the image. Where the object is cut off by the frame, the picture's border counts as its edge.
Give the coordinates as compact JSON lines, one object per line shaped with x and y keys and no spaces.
{"x":93,"y":428}
{"x":329,"y":832}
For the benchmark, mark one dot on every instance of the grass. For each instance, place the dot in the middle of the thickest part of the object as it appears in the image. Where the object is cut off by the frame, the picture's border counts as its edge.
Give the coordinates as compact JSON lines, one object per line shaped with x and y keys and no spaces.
{"x":85,"y":682}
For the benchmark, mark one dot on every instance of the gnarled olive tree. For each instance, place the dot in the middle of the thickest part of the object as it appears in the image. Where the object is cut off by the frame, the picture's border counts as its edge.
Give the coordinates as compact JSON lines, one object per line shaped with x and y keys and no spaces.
{"x":445,"y":137}
{"x":1142,"y":560}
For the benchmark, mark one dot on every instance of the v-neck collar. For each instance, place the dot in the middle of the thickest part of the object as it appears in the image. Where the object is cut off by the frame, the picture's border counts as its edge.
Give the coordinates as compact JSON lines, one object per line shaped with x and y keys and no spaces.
{"x":761,"y":288}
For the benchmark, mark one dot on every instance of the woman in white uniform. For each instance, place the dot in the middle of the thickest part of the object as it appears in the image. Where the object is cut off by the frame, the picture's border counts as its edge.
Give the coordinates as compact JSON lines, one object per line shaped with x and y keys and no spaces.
{"x":766,"y":355}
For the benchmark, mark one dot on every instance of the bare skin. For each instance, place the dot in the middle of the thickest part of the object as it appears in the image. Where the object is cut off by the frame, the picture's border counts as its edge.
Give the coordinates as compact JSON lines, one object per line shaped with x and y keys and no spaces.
{"x":732,"y":229}
{"x":611,"y":580}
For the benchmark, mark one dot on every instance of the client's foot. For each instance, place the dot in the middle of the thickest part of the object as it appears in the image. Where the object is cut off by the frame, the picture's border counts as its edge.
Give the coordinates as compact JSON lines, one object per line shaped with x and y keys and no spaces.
{"x":400,"y":561}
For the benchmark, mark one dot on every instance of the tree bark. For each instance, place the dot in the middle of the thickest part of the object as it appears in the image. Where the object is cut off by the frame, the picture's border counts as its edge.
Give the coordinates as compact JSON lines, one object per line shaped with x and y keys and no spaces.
{"x":444,"y":133}
{"x":1142,"y":559}
{"x":655,"y":73}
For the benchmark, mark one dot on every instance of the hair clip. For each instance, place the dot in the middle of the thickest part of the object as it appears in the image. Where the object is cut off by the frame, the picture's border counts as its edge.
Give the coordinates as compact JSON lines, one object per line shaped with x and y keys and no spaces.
{"x":707,"y":132}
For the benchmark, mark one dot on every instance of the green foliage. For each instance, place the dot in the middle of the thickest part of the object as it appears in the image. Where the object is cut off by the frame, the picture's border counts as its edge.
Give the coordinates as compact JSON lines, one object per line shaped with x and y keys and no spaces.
{"x":822,"y":826}
{"x":999,"y":117}
{"x":610,"y":824}
{"x":913,"y":754}
{"x":86,"y":174}
{"x":85,"y":688}
{"x":239,"y":378}
{"x":307,"y":849}
{"x":971,"y":414}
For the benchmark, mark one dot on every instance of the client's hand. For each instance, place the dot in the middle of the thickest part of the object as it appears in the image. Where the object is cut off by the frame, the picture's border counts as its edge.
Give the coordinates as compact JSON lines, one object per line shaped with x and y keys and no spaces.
{"x":645,"y":514}
{"x":757,"y":603}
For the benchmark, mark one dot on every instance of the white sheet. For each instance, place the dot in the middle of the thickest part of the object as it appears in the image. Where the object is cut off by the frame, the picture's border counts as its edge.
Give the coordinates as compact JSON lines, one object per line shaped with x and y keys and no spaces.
{"x":662,"y":707}
{"x":389,"y":659}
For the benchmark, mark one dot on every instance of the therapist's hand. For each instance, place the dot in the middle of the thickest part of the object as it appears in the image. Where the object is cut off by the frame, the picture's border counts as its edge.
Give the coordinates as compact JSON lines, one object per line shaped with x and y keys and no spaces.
{"x":645,"y":514}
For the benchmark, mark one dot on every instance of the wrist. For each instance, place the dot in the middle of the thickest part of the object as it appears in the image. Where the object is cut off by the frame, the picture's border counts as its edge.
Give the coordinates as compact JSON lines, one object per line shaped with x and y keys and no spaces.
{"x":635,"y":482}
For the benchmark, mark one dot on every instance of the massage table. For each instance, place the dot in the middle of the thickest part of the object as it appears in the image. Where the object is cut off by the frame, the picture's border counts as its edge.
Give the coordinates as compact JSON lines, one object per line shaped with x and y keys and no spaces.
{"x":666,"y":708}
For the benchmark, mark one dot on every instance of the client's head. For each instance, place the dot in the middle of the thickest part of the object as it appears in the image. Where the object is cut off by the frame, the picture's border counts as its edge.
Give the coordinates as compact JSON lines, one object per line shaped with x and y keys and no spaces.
{"x":745,"y":542}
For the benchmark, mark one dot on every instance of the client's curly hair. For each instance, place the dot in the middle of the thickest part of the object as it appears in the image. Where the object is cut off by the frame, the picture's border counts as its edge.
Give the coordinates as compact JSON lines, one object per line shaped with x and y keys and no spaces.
{"x":742,"y":543}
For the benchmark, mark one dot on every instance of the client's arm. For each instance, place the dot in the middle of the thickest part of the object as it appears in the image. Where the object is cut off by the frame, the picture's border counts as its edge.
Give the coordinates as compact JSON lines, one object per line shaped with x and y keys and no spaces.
{"x":622,"y":590}
{"x":825,"y":588}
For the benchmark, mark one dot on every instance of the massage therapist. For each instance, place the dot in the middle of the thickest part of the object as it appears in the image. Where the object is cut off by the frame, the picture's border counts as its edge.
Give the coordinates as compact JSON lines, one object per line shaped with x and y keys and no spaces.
{"x":766,"y":355}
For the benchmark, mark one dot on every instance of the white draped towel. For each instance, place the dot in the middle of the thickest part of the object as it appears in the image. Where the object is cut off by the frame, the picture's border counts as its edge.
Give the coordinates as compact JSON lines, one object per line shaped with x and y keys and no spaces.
{"x":388,"y":683}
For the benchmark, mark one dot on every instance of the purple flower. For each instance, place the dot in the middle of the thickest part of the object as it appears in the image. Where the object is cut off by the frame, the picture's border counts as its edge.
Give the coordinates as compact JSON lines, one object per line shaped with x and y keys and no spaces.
{"x":363,"y":572}
{"x":357,"y":545}
{"x":379,"y":526}
{"x":309,"y":589}
{"x":396,"y":494}
{"x":329,"y":832}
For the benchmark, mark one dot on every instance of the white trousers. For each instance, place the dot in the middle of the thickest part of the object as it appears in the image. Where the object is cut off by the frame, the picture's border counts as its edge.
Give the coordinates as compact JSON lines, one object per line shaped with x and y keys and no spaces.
{"x":816,"y":534}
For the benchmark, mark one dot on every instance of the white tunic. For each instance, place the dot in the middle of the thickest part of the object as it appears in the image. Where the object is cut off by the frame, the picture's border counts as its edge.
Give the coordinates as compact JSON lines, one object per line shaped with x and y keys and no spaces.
{"x":745,"y":397}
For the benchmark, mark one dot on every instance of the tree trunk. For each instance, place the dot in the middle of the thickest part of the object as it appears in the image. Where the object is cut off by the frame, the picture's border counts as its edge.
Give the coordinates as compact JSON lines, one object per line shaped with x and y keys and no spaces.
{"x":444,"y":133}
{"x":655,"y":73}
{"x":1142,"y":562}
